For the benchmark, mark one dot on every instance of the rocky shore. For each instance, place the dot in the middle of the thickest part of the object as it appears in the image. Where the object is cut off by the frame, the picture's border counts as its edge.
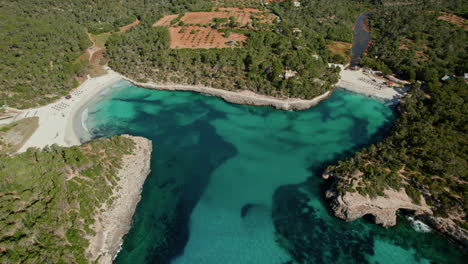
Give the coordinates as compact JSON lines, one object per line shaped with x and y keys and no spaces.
{"x":241,"y":97}
{"x":448,"y":227}
{"x":114,"y":221}
{"x":352,"y":205}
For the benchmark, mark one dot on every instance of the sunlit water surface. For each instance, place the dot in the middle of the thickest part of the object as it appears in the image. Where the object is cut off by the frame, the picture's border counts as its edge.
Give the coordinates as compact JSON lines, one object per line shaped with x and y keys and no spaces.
{"x":241,"y":184}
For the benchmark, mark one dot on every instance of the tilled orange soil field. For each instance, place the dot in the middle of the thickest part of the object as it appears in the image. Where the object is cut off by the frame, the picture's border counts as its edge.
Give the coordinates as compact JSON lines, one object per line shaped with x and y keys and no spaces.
{"x":243,"y":16}
{"x":197,"y":33}
{"x":202,"y":38}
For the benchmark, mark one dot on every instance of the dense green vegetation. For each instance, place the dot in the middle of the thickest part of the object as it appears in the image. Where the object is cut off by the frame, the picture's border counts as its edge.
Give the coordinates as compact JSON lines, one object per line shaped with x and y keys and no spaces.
{"x":297,"y":43}
{"x":413,"y":43}
{"x":426,"y":153}
{"x":320,"y":21}
{"x":42,"y":40}
{"x":453,"y":6}
{"x":49,"y":197}
{"x":143,"y":54}
{"x":37,"y":62}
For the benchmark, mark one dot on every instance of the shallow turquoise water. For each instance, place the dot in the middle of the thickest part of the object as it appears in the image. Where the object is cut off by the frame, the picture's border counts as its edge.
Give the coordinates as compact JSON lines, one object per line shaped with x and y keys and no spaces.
{"x":241,"y":184}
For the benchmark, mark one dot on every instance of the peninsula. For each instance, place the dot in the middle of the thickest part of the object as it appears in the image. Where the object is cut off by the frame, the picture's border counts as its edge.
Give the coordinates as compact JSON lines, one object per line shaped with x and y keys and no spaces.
{"x":67,"y":197}
{"x":77,"y":201}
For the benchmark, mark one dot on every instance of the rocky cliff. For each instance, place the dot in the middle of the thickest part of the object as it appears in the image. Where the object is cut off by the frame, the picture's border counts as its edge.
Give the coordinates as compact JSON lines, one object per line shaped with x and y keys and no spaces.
{"x":115,"y":220}
{"x":350,"y":206}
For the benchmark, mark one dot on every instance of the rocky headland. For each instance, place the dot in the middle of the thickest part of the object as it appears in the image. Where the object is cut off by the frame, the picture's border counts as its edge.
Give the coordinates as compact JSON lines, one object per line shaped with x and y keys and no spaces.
{"x":350,"y":206}
{"x":114,"y":221}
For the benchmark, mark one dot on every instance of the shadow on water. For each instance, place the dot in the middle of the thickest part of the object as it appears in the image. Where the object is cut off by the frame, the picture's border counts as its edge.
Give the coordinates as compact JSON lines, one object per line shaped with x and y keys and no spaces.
{"x":188,"y":149}
{"x":308,"y":230}
{"x":182,"y":161}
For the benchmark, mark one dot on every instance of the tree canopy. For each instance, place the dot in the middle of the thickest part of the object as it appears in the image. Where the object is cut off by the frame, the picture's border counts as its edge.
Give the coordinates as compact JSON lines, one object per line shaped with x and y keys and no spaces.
{"x":49,"y":198}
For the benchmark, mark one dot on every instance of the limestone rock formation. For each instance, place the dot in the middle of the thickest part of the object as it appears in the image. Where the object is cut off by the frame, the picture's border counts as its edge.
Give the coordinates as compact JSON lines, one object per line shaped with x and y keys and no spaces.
{"x":114,"y":221}
{"x":353,"y":205}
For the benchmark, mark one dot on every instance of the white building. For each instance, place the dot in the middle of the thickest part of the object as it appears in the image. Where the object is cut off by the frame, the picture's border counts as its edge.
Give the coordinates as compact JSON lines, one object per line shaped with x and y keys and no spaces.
{"x":289,"y":74}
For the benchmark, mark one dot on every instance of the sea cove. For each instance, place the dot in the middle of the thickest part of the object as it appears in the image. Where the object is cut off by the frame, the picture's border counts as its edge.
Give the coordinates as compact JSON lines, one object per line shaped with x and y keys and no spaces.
{"x":241,"y":184}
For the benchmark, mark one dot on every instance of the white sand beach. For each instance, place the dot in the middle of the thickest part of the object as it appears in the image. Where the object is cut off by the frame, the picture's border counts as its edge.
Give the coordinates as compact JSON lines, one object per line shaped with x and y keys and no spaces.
{"x":360,"y":82}
{"x":56,"y":120}
{"x":57,"y":125}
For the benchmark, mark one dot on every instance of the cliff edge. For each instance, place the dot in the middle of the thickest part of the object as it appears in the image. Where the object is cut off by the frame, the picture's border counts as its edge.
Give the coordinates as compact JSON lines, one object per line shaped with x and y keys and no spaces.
{"x":350,"y":206}
{"x":114,"y":221}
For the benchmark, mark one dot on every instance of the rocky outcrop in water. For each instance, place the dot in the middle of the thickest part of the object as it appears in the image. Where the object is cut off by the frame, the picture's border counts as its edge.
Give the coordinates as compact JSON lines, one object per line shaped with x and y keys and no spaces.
{"x":114,"y":222}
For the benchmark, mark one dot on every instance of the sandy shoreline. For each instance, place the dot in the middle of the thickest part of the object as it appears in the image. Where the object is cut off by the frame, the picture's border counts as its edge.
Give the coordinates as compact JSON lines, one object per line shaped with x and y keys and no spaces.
{"x":366,"y":84}
{"x":114,"y":222}
{"x":56,"y":120}
{"x":60,"y":122}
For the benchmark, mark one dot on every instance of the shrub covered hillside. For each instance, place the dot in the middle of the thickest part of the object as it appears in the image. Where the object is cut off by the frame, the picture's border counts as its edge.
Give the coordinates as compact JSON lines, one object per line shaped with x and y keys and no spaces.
{"x":41,"y":41}
{"x":143,"y":55}
{"x":413,"y":42}
{"x":426,"y":154}
{"x":48,"y":199}
{"x":296,"y":41}
{"x":38,"y":58}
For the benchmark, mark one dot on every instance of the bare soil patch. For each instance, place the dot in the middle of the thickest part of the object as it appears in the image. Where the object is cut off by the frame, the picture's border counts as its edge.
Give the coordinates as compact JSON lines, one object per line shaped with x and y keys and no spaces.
{"x":459,"y":21}
{"x":166,"y":20}
{"x":14,"y":135}
{"x":193,"y":37}
{"x":340,"y":48}
{"x":127,"y":27}
{"x":242,"y":15}
{"x":198,"y":30}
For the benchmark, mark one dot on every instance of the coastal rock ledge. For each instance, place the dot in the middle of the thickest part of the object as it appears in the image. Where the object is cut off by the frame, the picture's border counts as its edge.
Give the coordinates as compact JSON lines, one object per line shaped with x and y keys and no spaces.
{"x":243,"y":97}
{"x":352,"y":205}
{"x":113,"y":222}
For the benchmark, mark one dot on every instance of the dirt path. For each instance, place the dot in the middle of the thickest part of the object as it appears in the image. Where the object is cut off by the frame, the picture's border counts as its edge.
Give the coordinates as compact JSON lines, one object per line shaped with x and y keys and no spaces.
{"x":94,"y":48}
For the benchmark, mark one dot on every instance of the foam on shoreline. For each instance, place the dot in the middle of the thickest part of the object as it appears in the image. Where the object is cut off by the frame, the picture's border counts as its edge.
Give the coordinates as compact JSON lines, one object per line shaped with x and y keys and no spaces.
{"x":84,"y":117}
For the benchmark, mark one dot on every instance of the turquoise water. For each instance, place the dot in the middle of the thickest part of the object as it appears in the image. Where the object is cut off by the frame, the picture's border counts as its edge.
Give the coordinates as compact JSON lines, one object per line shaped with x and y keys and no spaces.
{"x":241,"y":184}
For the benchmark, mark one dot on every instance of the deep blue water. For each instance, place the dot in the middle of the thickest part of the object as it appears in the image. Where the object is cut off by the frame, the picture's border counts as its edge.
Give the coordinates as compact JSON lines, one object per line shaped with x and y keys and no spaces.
{"x":241,"y":184}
